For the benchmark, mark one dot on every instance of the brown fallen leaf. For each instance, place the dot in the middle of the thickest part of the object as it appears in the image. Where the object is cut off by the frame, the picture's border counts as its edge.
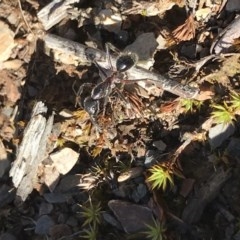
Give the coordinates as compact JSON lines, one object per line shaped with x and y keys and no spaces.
{"x":169,"y":106}
{"x":236,"y":44}
{"x":6,"y":41}
{"x":205,"y":95}
{"x":10,"y":88}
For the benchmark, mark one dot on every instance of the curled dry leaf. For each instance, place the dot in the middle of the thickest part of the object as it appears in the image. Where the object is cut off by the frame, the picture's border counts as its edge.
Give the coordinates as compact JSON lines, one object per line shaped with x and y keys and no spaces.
{"x":185,"y":31}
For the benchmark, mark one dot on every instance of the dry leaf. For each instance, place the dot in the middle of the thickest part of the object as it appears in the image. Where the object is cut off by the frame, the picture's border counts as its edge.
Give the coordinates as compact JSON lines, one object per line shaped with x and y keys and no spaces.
{"x":203,"y":14}
{"x":236,"y":44}
{"x":9,"y":88}
{"x":96,"y":151}
{"x":6,"y":41}
{"x":185,"y":31}
{"x":205,"y":95}
{"x":169,"y":106}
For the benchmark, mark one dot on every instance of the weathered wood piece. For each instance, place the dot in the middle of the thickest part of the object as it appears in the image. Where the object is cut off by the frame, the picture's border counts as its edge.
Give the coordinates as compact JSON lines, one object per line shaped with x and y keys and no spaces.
{"x":54,"y":12}
{"x":204,"y":195}
{"x":226,"y":37}
{"x":32,"y":151}
{"x":86,"y":54}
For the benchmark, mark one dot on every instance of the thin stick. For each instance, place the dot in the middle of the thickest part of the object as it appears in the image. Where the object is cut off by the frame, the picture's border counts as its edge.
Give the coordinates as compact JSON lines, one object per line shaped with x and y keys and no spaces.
{"x":86,"y":55}
{"x":23,"y":17}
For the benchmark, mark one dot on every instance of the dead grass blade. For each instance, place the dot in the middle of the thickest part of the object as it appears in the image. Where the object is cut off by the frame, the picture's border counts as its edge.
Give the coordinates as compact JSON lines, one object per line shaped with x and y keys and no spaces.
{"x":185,"y":31}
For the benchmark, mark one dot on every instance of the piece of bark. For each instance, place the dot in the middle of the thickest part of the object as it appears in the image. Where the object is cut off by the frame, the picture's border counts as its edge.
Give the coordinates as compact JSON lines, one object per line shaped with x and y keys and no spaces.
{"x":196,"y":205}
{"x":54,"y":12}
{"x":226,"y":37}
{"x":32,"y":151}
{"x":85,"y":55}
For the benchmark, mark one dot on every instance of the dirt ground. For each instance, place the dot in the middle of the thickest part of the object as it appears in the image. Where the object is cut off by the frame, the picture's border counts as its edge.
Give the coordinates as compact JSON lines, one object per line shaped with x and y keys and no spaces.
{"x":74,"y":165}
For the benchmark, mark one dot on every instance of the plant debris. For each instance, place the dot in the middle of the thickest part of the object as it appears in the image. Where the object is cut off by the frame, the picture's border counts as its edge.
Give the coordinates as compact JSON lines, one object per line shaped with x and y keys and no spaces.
{"x":119,"y":119}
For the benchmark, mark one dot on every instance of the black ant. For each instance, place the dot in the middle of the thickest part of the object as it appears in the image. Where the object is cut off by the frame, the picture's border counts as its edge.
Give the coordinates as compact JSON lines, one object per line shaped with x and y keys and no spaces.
{"x":102,"y":91}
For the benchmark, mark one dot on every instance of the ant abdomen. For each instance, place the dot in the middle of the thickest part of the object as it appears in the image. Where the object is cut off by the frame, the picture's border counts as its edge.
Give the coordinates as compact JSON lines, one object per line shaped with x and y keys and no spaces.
{"x":126,"y":61}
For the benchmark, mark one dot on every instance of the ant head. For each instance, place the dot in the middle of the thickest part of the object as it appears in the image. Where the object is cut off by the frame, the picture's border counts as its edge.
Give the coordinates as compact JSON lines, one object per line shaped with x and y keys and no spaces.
{"x":126,"y":61}
{"x":91,"y":106}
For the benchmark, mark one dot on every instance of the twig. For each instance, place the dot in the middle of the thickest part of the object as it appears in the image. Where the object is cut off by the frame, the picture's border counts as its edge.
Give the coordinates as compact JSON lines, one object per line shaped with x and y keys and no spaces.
{"x":23,"y":17}
{"x":86,"y":55}
{"x":54,"y":12}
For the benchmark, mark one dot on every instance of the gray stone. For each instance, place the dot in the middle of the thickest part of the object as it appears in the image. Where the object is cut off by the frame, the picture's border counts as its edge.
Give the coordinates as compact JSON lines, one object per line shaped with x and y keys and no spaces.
{"x":55,"y":197}
{"x":132,"y":217}
{"x":6,"y":195}
{"x":139,"y":192}
{"x":60,"y":231}
{"x":237,"y":236}
{"x":122,"y":191}
{"x":232,"y":5}
{"x":112,"y":221}
{"x":45,"y":208}
{"x":43,"y":225}
{"x":72,"y":221}
{"x":219,"y":133}
{"x":7,"y":236}
{"x":233,"y":149}
{"x":160,"y":145}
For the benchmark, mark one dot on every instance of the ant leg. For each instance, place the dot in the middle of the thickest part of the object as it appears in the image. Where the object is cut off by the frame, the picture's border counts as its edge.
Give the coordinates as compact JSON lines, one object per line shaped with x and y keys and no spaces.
{"x":112,"y":47}
{"x":130,"y":104}
{"x":105,"y":103}
{"x":91,"y":57}
{"x":103,"y":75}
{"x":77,"y":94}
{"x":95,"y":124}
{"x":109,"y":46}
{"x":122,"y":97}
{"x":108,"y":56}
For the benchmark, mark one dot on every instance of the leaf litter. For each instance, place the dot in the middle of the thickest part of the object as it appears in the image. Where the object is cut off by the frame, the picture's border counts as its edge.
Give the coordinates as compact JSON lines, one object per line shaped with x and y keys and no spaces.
{"x":111,"y":162}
